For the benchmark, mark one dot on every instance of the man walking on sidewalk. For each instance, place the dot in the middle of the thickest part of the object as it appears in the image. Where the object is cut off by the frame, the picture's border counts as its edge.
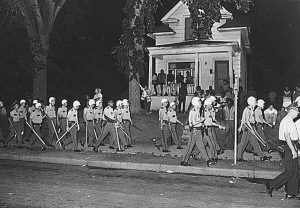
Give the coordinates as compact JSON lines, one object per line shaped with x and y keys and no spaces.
{"x":289,"y":140}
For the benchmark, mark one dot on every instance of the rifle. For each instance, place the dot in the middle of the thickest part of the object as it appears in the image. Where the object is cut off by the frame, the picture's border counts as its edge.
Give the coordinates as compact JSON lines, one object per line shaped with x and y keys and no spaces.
{"x":14,"y":130}
{"x":36,"y":134}
{"x":257,"y":136}
{"x":66,"y":132}
{"x":55,"y":131}
{"x":122,"y":129}
{"x":136,"y":127}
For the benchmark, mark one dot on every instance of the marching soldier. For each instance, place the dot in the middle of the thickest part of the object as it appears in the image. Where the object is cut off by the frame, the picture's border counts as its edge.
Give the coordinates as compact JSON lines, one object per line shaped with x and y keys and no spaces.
{"x":62,"y":113}
{"x":72,"y":119}
{"x":108,"y":126}
{"x":164,"y":125}
{"x":197,"y":129}
{"x":119,"y":118}
{"x":172,"y":119}
{"x":88,"y":116}
{"x":127,"y":121}
{"x":98,"y":118}
{"x":32,"y":108}
{"x":36,"y":119}
{"x":15,"y":130}
{"x":248,"y":126}
{"x":51,"y":114}
{"x":23,"y":116}
{"x":260,"y":121}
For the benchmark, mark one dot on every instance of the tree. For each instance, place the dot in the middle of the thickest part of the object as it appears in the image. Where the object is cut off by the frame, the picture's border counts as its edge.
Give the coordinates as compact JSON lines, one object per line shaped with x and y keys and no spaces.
{"x":139,"y":19}
{"x":38,"y":18}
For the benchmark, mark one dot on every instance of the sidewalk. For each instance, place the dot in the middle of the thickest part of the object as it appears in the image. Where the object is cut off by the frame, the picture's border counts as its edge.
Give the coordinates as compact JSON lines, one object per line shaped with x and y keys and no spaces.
{"x":146,"y":158}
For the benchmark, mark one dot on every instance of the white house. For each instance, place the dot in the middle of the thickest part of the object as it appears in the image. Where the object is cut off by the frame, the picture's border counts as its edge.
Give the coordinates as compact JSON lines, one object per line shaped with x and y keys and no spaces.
{"x":209,"y":61}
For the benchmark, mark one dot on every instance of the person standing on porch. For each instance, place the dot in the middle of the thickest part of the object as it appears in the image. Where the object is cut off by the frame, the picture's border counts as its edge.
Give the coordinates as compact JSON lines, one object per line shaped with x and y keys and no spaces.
{"x":182,"y":97}
{"x":154,"y":83}
{"x":170,"y":83}
{"x":161,"y":80}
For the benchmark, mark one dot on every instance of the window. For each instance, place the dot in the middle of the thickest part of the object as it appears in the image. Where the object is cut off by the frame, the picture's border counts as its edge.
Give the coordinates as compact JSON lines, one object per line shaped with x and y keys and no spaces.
{"x":184,"y":69}
{"x":188,"y":29}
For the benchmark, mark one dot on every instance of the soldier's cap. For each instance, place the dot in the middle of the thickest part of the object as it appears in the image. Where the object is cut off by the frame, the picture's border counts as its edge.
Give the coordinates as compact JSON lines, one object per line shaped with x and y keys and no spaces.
{"x":22,"y":101}
{"x":164,"y":100}
{"x":38,"y":105}
{"x":98,"y":103}
{"x":1,"y":103}
{"x":64,"y":101}
{"x":76,"y":103}
{"x":125,"y":102}
{"x":172,"y":103}
{"x":91,"y":102}
{"x":51,"y":99}
{"x":35,"y":102}
{"x":292,"y":106}
{"x":119,"y":103}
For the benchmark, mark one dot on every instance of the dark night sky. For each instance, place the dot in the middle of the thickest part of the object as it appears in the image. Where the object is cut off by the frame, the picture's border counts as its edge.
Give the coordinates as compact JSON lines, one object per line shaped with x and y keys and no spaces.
{"x":81,"y":43}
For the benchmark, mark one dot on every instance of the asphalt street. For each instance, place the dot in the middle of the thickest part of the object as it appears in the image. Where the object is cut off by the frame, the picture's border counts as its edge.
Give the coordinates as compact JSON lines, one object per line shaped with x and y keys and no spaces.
{"x":33,"y":185}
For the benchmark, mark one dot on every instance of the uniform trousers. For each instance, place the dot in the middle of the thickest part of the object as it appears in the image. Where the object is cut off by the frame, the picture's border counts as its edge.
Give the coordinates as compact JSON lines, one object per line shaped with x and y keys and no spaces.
{"x":90,"y":133}
{"x":214,"y":138}
{"x":229,"y":140}
{"x":63,"y":126}
{"x":51,"y":129}
{"x":109,"y":128}
{"x":15,"y":131}
{"x":37,"y":129}
{"x":196,"y":140}
{"x":165,"y":135}
{"x":260,"y":131}
{"x":127,"y":127}
{"x":246,"y":138}
{"x":98,"y":127}
{"x":73,"y":133}
{"x":22,"y":126}
{"x":290,"y":177}
{"x":174,"y":134}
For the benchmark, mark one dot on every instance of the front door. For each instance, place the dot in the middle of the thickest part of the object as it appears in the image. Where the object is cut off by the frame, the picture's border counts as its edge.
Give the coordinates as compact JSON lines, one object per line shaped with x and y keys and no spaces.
{"x":221,"y":74}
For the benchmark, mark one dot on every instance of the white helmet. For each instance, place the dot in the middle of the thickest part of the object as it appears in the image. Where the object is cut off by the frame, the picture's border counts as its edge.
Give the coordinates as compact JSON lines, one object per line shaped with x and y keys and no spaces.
{"x":51,"y":99}
{"x":76,"y":103}
{"x":260,"y":103}
{"x":208,"y":101}
{"x":22,"y":101}
{"x":119,"y":103}
{"x":164,"y":100}
{"x":98,"y":103}
{"x":125,"y":102}
{"x":35,"y":102}
{"x":212,"y":98}
{"x":172,"y":103}
{"x":64,"y":101}
{"x":1,"y":103}
{"x":195,"y":101}
{"x":251,"y":100}
{"x":38,"y":105}
{"x":91,"y":102}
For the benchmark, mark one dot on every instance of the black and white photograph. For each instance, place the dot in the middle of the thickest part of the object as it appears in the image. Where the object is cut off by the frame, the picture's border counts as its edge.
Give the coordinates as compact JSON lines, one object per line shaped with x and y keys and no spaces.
{"x":149,"y":103}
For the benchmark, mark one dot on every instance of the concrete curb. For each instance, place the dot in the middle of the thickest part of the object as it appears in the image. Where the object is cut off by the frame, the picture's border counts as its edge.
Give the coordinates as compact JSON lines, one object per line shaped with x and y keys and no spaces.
{"x":144,"y":166}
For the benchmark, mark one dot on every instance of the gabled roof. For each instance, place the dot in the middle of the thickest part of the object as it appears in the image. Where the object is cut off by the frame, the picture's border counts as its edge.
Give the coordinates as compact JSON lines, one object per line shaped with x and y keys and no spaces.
{"x":235,"y":23}
{"x":195,"y":42}
{"x":163,"y":29}
{"x":174,"y":9}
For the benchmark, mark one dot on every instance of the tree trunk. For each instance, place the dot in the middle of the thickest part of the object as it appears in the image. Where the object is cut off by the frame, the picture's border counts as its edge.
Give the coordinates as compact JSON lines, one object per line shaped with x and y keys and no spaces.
{"x":134,"y":96}
{"x":39,"y":50}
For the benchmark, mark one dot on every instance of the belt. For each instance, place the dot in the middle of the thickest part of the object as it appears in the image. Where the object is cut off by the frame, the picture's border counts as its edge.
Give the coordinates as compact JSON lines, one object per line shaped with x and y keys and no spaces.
{"x":16,"y":121}
{"x":89,"y":120}
{"x":284,"y":142}
{"x":173,"y":122}
{"x":127,"y":120}
{"x":98,"y":119}
{"x":198,"y":128}
{"x":36,"y":124}
{"x":62,"y":118}
{"x":72,"y":121}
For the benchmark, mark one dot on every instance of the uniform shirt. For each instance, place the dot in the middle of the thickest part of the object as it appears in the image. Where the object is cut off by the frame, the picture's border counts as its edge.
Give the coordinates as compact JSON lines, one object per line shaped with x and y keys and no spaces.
{"x":22,"y":112}
{"x":163,"y":114}
{"x":36,"y":117}
{"x":257,"y":115}
{"x":126,"y":114}
{"x":98,"y":113}
{"x":287,"y":125}
{"x":229,"y":113}
{"x":109,"y":112}
{"x":50,"y":111}
{"x":248,"y":115}
{"x":195,"y":118}
{"x":208,"y":118}
{"x":172,"y":117}
{"x":118,"y":114}
{"x":31,"y":109}
{"x":72,"y":115}
{"x":62,"y":112}
{"x":88,"y":114}
{"x":15,"y":115}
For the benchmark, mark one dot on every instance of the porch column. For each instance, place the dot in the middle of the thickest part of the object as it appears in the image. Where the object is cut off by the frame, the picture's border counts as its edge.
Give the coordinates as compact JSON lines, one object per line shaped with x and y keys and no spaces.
{"x":231,"y":75}
{"x":196,"y":80}
{"x":150,"y":72}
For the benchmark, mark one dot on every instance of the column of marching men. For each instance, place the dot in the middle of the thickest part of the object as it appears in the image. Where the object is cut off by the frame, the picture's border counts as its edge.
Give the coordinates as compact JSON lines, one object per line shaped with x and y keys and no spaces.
{"x":99,"y":124}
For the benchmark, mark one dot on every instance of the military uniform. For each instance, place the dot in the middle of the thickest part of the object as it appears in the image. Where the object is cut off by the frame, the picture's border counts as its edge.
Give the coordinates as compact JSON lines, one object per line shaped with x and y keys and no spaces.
{"x":72,"y":118}
{"x":50,"y":112}
{"x":23,"y":115}
{"x":62,"y":114}
{"x":197,"y":136}
{"x":260,"y":125}
{"x":163,"y":117}
{"x":14,"y":114}
{"x":213,"y":130}
{"x":98,"y":115}
{"x":248,"y":116}
{"x":172,"y":118}
{"x":36,"y":118}
{"x":127,"y":123}
{"x":88,"y":115}
{"x":229,"y":114}
{"x":109,"y":126}
{"x":209,"y":136}
{"x":119,"y":117}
